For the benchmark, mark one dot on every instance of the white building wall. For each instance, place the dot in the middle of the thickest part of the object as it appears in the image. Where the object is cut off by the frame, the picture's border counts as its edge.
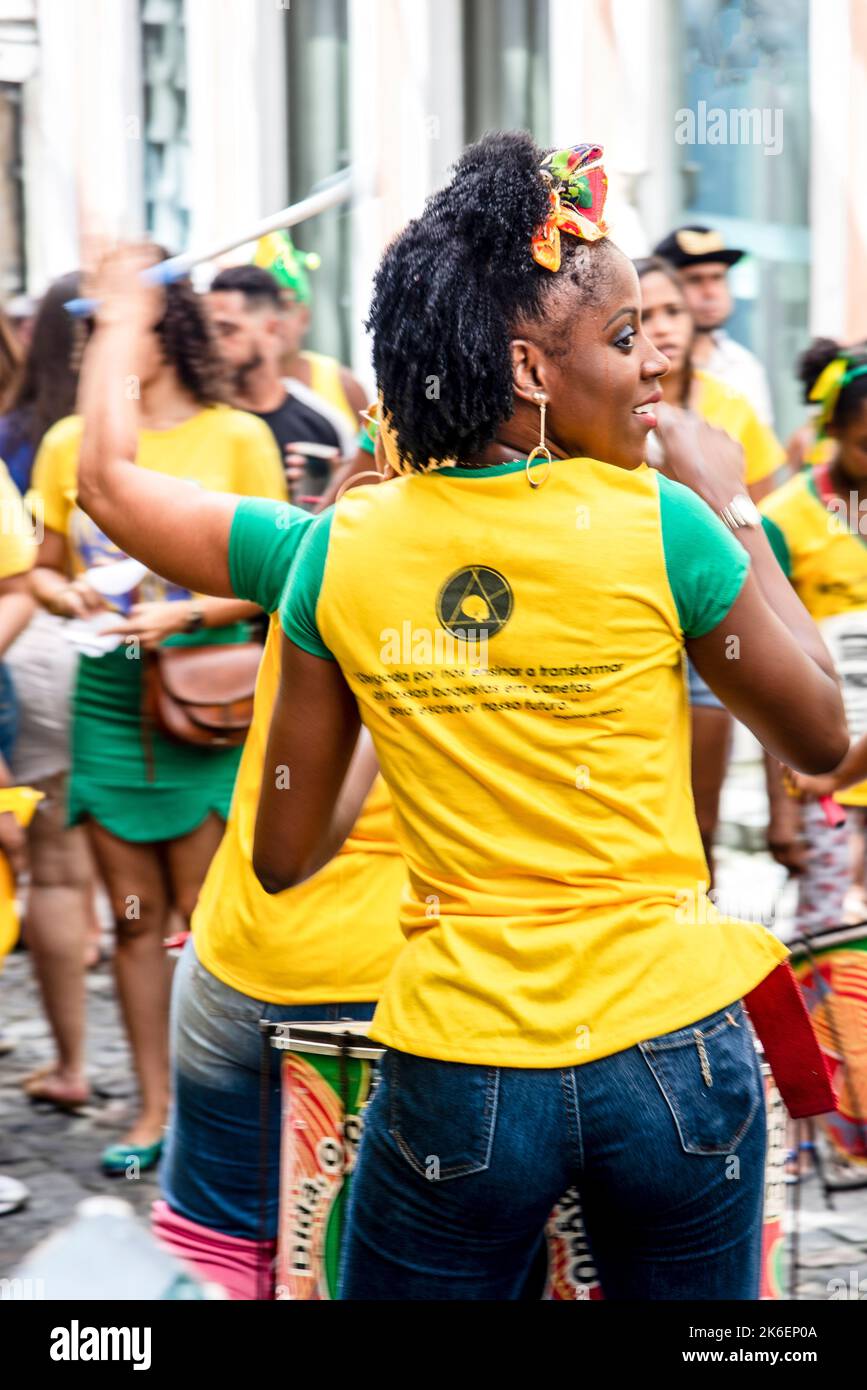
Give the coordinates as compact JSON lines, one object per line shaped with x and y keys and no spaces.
{"x":235,"y":59}
{"x":610,"y":73}
{"x":82,"y":132}
{"x":406,"y":126}
{"x":830,"y":43}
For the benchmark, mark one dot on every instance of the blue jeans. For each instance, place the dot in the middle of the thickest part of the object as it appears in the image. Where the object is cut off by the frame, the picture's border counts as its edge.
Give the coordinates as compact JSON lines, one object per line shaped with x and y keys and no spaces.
{"x":9,"y":713}
{"x":460,"y":1166}
{"x":210,"y":1167}
{"x":700,"y":694}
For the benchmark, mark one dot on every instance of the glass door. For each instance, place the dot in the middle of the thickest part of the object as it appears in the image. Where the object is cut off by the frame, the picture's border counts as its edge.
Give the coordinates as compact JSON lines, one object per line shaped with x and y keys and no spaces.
{"x":743,"y":146}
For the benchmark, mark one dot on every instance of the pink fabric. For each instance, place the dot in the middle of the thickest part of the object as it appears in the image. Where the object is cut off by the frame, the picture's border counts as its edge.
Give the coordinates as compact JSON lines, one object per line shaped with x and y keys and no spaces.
{"x":243,"y":1267}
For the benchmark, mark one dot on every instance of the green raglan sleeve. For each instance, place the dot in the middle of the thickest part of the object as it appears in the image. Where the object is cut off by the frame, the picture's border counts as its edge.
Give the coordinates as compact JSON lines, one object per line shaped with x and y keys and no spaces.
{"x":301,"y":593}
{"x":706,"y":566}
{"x":778,"y":545}
{"x":263,"y":543}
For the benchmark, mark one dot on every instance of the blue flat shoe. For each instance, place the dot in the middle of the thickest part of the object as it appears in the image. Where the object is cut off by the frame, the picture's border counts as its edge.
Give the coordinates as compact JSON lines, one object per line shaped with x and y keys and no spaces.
{"x":128,"y":1160}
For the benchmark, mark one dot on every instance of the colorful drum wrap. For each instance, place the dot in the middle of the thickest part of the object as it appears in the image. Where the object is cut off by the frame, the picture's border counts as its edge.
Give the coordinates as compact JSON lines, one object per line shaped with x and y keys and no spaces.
{"x":774,"y":1276}
{"x":831,"y":968}
{"x":319,"y":1143}
{"x":572,"y":1274}
{"x":326,"y":1076}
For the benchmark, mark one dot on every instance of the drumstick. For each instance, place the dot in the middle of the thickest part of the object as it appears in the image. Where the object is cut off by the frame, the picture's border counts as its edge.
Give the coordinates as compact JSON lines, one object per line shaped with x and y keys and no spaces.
{"x":833,"y":812}
{"x":330,"y":193}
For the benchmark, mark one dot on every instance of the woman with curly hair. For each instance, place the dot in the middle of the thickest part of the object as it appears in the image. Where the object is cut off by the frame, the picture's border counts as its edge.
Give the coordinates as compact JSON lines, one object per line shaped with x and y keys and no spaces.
{"x":509,"y":618}
{"x":154,"y":808}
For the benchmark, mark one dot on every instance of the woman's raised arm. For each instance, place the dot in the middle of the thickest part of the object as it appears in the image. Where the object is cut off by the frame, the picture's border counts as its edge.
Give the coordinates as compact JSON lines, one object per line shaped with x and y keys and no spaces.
{"x":174,"y":527}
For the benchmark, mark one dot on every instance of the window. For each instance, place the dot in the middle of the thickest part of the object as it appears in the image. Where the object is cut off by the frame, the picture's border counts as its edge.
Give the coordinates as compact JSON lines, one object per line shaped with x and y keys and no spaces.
{"x":12,"y":269}
{"x":166,"y":139}
{"x":750,"y":62}
{"x":506,"y":67}
{"x":317,"y":38}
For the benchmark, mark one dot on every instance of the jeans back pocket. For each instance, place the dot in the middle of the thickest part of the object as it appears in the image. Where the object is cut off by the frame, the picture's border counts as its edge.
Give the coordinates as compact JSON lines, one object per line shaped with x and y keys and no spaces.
{"x":709,"y":1077}
{"x":441,"y":1115}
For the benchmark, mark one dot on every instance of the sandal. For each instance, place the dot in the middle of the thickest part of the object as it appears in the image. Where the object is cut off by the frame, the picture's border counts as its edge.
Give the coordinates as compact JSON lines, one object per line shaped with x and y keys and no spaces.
{"x":117,"y":1158}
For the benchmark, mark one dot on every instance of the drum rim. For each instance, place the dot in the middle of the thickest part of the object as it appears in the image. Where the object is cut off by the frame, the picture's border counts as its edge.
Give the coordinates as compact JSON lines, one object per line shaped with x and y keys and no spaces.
{"x":326,"y":1039}
{"x":803,"y":945}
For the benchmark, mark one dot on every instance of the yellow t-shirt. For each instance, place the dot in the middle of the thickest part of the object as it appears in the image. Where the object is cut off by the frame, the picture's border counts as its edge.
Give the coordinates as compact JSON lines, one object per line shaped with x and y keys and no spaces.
{"x":728,"y":410}
{"x":221,"y":449}
{"x":22,"y":802}
{"x":827,"y":565}
{"x":540,"y":774}
{"x":334,"y":938}
{"x":326,"y":381}
{"x":17,"y":540}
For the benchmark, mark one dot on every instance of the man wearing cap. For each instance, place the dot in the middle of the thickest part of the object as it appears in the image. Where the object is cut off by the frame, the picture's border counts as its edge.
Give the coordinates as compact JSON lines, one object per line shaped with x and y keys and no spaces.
{"x":703,"y":259}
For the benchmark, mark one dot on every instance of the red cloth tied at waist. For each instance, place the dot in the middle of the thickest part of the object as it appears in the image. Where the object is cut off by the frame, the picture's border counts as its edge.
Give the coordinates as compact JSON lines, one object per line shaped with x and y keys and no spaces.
{"x":782,"y":1023}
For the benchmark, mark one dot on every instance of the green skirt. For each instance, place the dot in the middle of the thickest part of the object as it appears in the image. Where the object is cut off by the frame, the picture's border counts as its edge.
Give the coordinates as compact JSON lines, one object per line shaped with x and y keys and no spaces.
{"x":140,"y":786}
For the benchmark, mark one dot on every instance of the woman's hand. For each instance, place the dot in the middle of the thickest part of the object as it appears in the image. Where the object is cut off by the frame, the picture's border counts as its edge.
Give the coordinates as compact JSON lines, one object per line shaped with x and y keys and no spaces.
{"x":152,"y":623}
{"x":123,"y":296}
{"x":76,"y":600}
{"x":295,"y":464}
{"x":703,"y":458}
{"x":825,"y":785}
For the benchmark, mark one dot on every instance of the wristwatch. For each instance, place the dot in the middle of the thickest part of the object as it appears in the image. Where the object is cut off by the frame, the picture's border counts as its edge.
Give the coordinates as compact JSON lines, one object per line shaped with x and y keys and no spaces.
{"x":196,"y":620}
{"x":741,"y":511}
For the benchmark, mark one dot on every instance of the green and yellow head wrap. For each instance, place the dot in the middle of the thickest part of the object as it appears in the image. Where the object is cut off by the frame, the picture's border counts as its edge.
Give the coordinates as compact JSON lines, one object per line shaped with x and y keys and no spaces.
{"x":278,"y":254}
{"x":828,"y":385}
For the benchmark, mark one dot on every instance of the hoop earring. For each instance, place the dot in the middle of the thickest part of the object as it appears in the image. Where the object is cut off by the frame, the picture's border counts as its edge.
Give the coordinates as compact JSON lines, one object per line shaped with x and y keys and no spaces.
{"x":541,"y":450}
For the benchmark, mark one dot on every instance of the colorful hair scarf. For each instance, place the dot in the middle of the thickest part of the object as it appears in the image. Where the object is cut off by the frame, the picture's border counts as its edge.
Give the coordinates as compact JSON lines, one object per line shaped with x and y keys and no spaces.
{"x":278,"y":254}
{"x":579,"y":186}
{"x":828,"y":385}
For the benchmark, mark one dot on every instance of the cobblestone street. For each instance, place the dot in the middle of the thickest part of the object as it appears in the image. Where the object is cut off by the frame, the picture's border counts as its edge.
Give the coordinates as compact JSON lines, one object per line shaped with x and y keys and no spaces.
{"x":55,"y":1154}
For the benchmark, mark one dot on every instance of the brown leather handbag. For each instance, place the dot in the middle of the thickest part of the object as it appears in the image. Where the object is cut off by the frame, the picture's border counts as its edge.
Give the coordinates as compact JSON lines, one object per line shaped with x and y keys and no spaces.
{"x":203,"y":695}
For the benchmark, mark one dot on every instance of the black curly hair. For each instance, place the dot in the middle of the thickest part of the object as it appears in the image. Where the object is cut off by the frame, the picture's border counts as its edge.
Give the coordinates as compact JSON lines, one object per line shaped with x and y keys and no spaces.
{"x":188,"y":344}
{"x":819,"y":355}
{"x":453,"y":288}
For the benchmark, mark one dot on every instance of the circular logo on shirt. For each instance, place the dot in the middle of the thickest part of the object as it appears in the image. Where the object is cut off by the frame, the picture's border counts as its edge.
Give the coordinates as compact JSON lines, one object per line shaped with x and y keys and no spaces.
{"x":476,"y":602}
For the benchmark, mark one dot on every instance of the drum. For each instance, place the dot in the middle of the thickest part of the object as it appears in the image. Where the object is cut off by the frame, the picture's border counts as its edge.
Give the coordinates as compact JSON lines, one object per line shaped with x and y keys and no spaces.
{"x":572,"y":1273}
{"x":327,"y":1075}
{"x":831,"y":968}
